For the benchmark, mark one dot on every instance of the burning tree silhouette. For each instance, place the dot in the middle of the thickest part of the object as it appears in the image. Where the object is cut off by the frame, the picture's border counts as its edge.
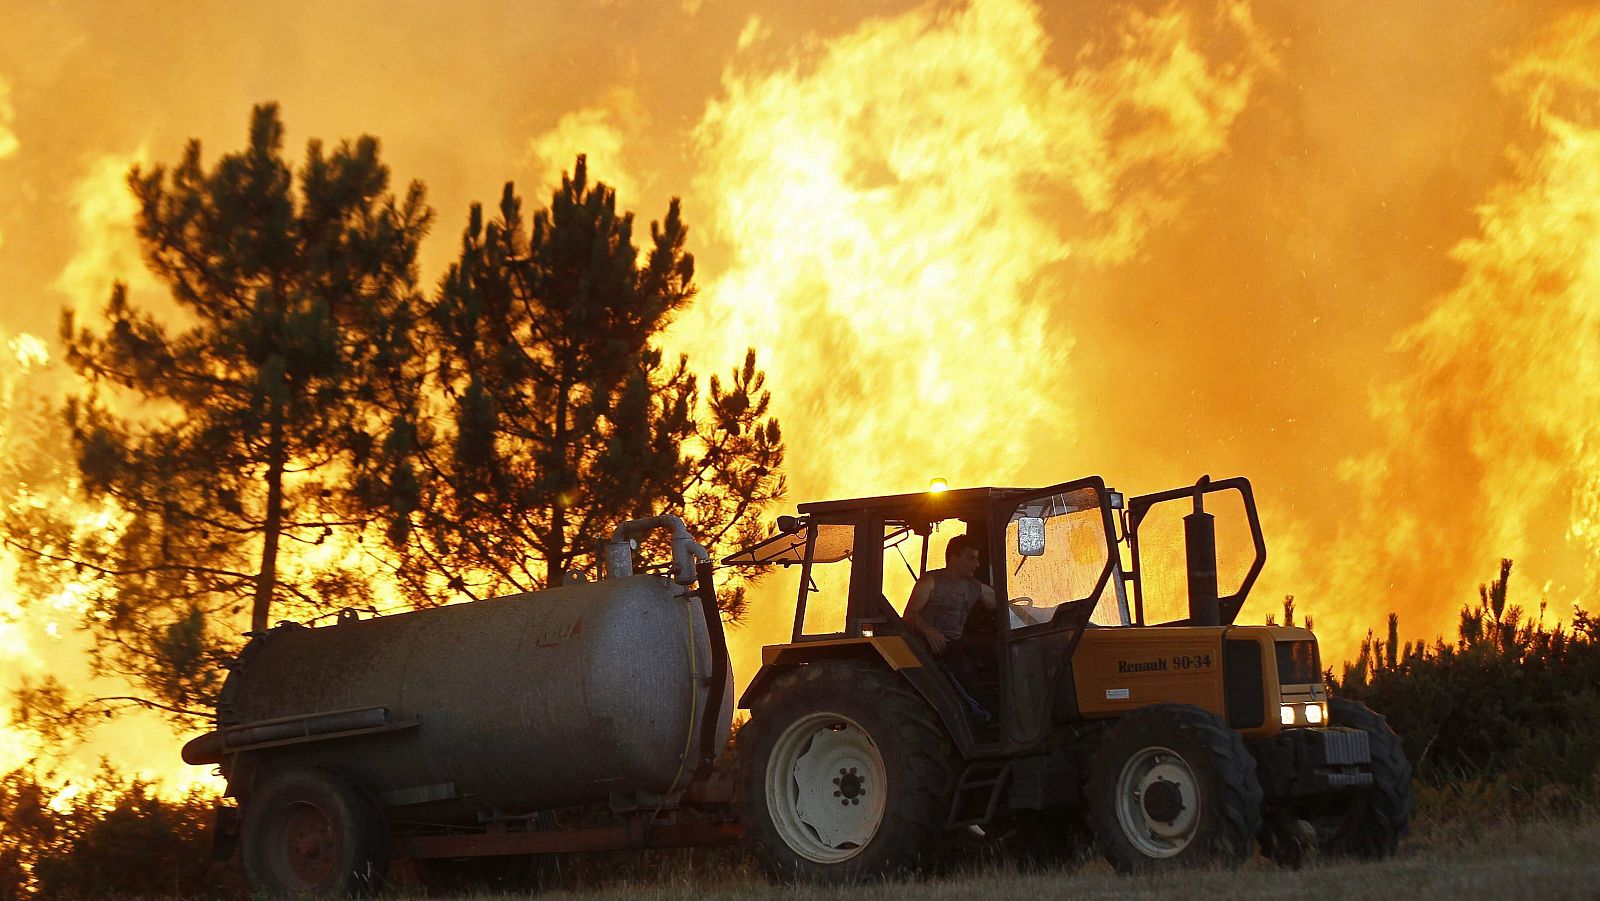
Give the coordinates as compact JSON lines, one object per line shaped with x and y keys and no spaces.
{"x":312,"y":398}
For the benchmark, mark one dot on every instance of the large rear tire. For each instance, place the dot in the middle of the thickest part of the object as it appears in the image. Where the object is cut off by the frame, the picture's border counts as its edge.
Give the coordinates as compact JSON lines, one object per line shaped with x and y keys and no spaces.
{"x":1172,"y":787}
{"x":310,"y":832}
{"x":847,"y":775}
{"x":1376,"y":818}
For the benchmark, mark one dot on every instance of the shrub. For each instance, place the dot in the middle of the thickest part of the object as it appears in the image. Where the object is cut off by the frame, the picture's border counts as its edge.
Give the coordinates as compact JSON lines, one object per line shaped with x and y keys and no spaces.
{"x":110,"y":837}
{"x":1510,"y":699}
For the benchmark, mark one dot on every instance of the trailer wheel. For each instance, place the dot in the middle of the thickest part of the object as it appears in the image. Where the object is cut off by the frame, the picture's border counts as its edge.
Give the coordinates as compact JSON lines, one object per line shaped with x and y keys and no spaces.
{"x":847,"y":777}
{"x":311,"y":832}
{"x":1374,"y":819}
{"x":1172,"y":786}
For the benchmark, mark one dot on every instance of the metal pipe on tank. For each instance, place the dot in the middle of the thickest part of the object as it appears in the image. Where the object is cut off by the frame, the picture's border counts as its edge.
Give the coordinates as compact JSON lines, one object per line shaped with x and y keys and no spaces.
{"x":686,"y":552}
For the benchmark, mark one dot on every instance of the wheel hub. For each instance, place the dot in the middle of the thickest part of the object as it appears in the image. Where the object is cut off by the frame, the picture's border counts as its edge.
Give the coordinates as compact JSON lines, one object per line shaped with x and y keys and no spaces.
{"x":1158,"y":802}
{"x":851,"y":786}
{"x":309,"y":845}
{"x":1163,"y":801}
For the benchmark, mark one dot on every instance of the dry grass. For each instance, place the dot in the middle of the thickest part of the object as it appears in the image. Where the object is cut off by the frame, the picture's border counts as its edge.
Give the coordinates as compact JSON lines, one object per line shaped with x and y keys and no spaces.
{"x":1546,"y":858}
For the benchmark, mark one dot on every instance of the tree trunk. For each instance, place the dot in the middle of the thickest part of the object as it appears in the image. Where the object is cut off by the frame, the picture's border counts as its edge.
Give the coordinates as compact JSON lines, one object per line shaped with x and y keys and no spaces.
{"x":267,"y":578}
{"x":556,"y":556}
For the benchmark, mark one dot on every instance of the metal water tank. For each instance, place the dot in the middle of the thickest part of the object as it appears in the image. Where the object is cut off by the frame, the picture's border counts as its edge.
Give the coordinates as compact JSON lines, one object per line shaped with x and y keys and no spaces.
{"x":493,"y":708}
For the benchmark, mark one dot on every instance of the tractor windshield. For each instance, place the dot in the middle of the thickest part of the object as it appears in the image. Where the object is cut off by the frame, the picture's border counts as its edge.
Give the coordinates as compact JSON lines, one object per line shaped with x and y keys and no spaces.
{"x":1058,"y":554}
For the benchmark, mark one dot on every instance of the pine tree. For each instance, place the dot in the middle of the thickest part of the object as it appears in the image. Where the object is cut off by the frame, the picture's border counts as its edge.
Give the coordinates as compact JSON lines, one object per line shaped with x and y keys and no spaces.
{"x":564,"y":416}
{"x":226,"y":443}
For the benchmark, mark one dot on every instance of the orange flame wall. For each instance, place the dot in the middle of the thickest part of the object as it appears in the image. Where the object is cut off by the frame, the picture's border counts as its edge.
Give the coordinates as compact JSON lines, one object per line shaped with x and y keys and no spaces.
{"x":1348,"y":250}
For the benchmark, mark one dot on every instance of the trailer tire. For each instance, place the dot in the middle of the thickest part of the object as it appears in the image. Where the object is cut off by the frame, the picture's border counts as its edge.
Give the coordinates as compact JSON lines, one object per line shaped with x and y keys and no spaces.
{"x":856,"y":735}
{"x":1207,"y":809}
{"x":1373,"y":823}
{"x":312,"y":832}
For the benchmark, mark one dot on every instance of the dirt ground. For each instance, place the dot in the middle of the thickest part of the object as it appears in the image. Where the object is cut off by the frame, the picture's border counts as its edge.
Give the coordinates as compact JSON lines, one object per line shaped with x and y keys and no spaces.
{"x":1547,"y":859}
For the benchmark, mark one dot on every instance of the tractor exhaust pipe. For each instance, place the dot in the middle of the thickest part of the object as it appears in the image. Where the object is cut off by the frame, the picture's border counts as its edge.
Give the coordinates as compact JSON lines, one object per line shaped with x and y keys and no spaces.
{"x":1200,"y":547}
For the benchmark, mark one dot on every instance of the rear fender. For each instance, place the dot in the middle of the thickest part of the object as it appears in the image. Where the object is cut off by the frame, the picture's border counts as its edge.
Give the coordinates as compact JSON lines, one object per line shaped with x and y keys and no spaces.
{"x":891,"y":651}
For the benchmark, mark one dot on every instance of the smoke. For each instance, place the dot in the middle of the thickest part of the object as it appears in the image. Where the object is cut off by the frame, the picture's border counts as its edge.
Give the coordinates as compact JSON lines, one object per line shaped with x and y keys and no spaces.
{"x":8,"y":138}
{"x":107,"y":250}
{"x":8,"y":116}
{"x":1500,"y":415}
{"x":602,"y":134}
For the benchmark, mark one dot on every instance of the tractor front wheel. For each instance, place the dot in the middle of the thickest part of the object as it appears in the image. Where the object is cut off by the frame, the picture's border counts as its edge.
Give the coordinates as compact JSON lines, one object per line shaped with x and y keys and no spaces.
{"x":1373,"y":819}
{"x":847,"y":775}
{"x":1172,"y":786}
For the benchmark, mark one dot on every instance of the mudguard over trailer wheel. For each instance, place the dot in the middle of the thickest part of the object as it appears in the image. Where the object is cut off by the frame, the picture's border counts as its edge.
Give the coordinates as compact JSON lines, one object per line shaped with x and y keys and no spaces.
{"x":311,"y":832}
{"x":847,"y":775}
{"x":1173,"y":786}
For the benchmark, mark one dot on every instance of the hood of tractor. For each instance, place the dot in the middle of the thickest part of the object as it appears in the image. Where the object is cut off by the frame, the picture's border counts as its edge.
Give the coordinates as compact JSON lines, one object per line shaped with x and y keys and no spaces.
{"x":1261,"y":679}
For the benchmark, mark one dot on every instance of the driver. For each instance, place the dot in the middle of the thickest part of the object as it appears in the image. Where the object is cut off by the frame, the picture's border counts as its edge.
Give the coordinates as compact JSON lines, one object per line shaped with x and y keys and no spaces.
{"x":938,"y":611}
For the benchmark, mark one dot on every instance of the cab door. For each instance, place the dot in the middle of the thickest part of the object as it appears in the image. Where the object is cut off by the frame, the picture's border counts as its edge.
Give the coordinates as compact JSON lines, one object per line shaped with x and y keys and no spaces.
{"x":1055,"y":568}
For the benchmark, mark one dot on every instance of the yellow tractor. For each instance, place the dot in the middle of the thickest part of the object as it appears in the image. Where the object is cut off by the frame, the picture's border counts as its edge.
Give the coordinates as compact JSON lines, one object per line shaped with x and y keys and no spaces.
{"x":1108,"y":680}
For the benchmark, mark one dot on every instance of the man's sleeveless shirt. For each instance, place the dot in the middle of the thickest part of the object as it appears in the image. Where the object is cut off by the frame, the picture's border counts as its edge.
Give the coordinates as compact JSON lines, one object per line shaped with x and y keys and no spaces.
{"x":949,"y":602}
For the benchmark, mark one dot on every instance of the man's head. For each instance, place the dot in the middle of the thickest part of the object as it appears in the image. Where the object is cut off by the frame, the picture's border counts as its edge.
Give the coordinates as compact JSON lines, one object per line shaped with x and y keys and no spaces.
{"x":961,"y":556}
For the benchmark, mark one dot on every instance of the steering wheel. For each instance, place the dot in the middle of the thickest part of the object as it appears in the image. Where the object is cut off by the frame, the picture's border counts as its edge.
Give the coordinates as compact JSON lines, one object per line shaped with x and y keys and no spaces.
{"x":1025,"y":611}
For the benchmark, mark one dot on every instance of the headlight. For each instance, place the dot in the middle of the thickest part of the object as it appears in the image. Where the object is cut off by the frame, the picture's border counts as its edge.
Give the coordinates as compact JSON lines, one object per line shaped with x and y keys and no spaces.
{"x":1314,"y":714}
{"x":1286,"y":714}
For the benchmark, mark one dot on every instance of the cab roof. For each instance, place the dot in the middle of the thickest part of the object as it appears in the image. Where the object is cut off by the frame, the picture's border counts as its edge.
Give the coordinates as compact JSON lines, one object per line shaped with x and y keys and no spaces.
{"x":901,"y":513}
{"x":921,"y":502}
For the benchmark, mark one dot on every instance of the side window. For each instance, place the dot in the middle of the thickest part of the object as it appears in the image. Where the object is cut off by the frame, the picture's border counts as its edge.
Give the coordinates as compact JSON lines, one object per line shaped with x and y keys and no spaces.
{"x":829,"y":586}
{"x":832,"y":563}
{"x":902,"y":557}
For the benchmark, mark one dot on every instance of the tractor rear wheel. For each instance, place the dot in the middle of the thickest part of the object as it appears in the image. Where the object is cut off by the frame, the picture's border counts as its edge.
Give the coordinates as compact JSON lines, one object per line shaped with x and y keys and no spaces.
{"x":311,"y":832}
{"x":1172,"y":786}
{"x":1373,"y":820}
{"x":847,"y":775}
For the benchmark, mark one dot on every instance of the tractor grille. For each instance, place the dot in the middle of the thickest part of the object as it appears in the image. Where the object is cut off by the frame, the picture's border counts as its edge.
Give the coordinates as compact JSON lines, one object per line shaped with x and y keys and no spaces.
{"x":1345,"y":748}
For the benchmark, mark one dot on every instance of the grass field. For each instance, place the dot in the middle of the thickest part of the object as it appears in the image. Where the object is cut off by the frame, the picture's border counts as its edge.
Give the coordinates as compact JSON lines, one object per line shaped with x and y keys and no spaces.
{"x":1546,"y":859}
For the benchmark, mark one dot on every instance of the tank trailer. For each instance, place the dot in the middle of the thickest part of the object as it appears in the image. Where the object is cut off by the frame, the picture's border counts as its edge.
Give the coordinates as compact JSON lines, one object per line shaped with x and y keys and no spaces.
{"x":1109,"y":687}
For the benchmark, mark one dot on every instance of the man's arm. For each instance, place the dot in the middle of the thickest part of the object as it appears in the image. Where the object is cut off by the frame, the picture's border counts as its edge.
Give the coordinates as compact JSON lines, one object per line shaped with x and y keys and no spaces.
{"x":913,"y":615}
{"x":986,"y":595}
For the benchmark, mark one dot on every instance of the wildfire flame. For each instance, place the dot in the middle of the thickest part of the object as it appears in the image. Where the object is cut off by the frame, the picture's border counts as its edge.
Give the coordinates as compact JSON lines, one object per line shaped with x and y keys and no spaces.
{"x":1352,"y":256}
{"x":894,"y":206}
